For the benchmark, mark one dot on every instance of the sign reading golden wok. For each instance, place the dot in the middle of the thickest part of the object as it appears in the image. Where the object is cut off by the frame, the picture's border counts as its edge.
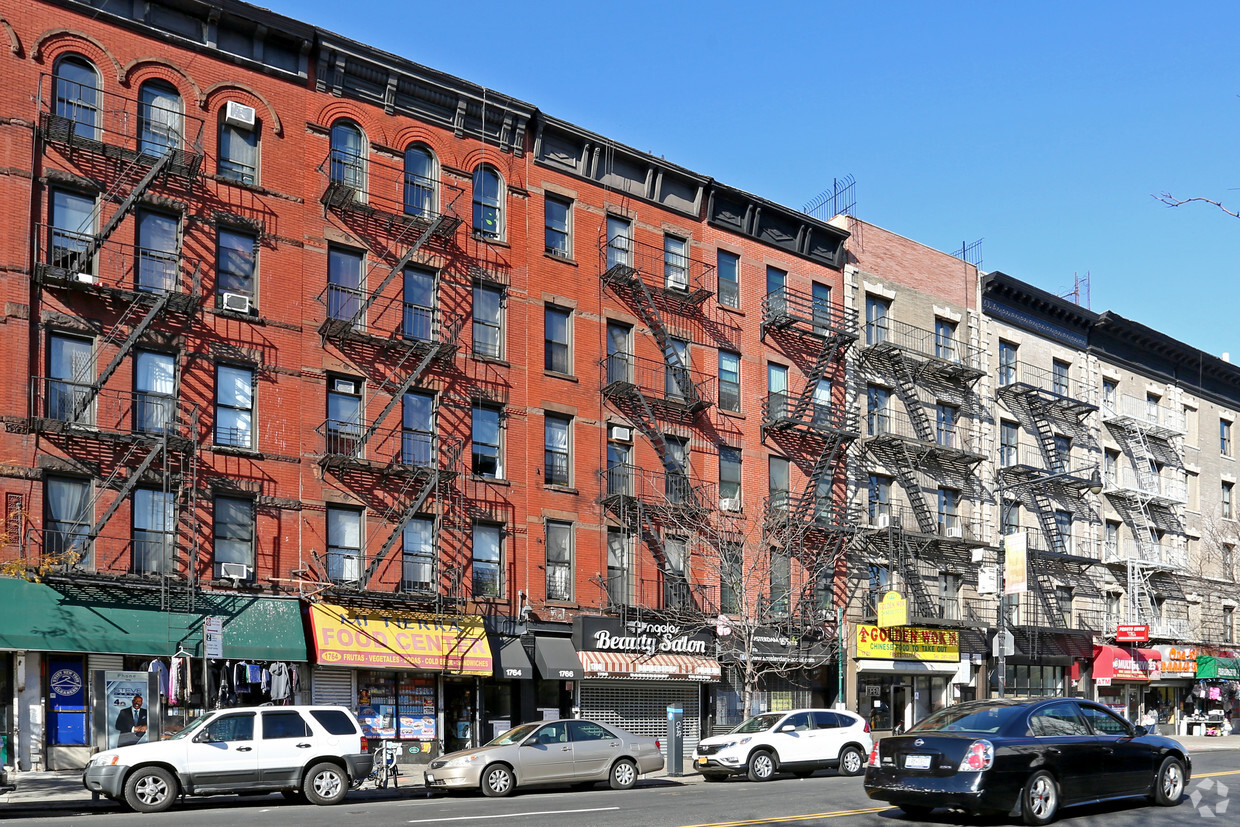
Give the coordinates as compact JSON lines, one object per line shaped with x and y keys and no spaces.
{"x":373,"y":639}
{"x":908,"y":643}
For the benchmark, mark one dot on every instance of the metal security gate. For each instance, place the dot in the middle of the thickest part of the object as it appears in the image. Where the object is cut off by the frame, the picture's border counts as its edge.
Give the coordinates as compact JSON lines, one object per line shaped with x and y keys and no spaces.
{"x":641,"y":708}
{"x":333,"y":687}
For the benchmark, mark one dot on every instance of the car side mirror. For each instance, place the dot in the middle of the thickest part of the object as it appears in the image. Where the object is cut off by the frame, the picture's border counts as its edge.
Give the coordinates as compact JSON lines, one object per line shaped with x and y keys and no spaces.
{"x":788,"y":728}
{"x":533,"y":742}
{"x":1142,"y":731}
{"x":202,"y":738}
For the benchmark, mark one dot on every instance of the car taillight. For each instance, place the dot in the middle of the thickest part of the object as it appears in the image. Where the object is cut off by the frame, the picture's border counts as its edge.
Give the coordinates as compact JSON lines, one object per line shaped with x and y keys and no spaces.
{"x":365,"y":744}
{"x":657,"y":745}
{"x":979,"y":756}
{"x":867,"y":726}
{"x":874,"y":755}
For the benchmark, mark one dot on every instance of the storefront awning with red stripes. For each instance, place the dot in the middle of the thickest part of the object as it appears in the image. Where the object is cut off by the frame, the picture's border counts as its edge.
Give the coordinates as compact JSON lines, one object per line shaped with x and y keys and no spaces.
{"x":1127,"y":664}
{"x":649,"y":667}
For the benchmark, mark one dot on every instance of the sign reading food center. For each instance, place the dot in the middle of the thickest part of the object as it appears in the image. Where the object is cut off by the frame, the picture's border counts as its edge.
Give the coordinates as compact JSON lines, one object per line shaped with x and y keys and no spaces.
{"x":376,"y":639}
{"x":908,"y":643}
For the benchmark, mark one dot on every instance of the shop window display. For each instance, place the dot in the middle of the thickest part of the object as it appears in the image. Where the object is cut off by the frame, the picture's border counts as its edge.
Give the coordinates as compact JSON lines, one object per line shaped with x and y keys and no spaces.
{"x":398,"y":706}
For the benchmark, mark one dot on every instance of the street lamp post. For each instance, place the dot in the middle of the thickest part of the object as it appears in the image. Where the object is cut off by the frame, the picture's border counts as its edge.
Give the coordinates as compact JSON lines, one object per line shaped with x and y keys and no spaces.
{"x":1095,"y":487}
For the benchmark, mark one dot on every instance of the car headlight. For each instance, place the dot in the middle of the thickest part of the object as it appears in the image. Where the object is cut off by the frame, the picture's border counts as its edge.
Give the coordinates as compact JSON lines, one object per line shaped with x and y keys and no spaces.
{"x":740,"y":742}
{"x":103,"y":759}
{"x":461,"y":761}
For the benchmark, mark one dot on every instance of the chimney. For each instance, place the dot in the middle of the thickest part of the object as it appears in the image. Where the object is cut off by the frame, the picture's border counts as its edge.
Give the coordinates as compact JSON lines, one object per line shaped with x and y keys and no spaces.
{"x":1226,"y":357}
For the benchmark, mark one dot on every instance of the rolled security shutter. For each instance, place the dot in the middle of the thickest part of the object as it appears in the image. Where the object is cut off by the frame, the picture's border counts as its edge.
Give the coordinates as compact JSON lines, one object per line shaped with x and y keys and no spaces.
{"x":333,"y":687}
{"x":641,"y":708}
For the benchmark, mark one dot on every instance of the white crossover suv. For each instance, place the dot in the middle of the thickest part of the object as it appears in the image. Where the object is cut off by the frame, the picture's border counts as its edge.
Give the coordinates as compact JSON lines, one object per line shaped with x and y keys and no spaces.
{"x":312,"y":753}
{"x":799,"y":742}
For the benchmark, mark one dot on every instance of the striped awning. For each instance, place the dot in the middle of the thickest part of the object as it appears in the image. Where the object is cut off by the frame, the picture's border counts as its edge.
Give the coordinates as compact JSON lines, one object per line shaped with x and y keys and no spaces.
{"x":649,"y":667}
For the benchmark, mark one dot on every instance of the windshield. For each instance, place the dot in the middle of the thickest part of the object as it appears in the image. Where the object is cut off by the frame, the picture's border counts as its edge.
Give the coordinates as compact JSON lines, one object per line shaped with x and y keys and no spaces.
{"x":759,"y":723}
{"x":193,"y":727}
{"x":985,"y":718}
{"x":513,"y":736}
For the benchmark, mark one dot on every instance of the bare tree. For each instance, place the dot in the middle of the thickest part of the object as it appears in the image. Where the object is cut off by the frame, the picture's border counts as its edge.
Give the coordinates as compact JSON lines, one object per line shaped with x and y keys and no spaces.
{"x":1216,"y":550}
{"x":1171,"y":201}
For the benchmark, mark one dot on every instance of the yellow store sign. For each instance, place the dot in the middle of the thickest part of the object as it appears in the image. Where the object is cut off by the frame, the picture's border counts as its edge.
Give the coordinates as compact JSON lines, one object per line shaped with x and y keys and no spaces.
{"x":345,"y":636}
{"x":908,"y":643}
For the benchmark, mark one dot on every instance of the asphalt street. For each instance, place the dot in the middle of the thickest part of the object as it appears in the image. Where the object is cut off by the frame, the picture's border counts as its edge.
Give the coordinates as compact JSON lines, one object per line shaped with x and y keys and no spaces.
{"x":824,"y":799}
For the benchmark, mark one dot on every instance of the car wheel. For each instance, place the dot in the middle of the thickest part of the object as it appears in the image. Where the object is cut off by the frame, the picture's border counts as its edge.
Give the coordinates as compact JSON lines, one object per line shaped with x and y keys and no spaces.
{"x":1039,"y":800}
{"x":761,"y":766}
{"x":623,"y":774}
{"x":713,"y":776}
{"x":325,"y":784}
{"x":852,"y":762}
{"x":497,"y":781}
{"x":916,"y":811}
{"x":1169,"y":783}
{"x":150,"y":790}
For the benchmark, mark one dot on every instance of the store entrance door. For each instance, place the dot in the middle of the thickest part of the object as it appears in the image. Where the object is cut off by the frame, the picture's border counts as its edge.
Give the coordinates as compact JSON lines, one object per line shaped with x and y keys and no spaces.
{"x":901,"y":707}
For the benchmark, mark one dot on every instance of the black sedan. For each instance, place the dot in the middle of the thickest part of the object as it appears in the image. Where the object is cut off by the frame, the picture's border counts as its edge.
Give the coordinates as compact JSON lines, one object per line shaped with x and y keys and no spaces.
{"x":1025,"y":758}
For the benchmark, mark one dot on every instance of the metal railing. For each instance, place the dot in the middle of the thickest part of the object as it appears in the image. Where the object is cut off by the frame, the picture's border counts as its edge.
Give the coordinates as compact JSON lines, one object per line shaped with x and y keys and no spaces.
{"x":785,"y":307}
{"x":955,"y":436}
{"x":781,"y":409}
{"x":397,"y":447}
{"x":679,"y":277}
{"x":670,"y":592}
{"x":924,"y":343}
{"x":1129,"y":482}
{"x":61,"y":256}
{"x":354,"y":181}
{"x":946,"y":525}
{"x":1175,"y":628}
{"x":82,"y":115}
{"x":68,"y":550}
{"x":657,"y":380}
{"x":1142,"y":413}
{"x":660,"y":488}
{"x":1041,"y":379}
{"x":119,"y":412}
{"x":1154,"y":555}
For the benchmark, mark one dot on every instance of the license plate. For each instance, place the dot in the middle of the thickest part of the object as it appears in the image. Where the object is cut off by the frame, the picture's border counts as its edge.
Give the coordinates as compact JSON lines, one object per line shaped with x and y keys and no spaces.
{"x":917,"y":762}
{"x":702,"y":761}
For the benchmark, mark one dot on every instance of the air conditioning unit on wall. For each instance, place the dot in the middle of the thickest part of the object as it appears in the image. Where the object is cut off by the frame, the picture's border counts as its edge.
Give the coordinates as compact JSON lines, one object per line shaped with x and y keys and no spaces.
{"x":234,"y":571}
{"x":884,"y":520}
{"x":239,"y":115}
{"x":729,"y":504}
{"x":235,"y":303}
{"x":953,"y":531}
{"x":620,"y":433}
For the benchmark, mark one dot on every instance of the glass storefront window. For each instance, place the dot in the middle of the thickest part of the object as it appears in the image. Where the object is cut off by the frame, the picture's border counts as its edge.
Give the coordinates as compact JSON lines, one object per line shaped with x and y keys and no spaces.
{"x":396,"y":705}
{"x":1031,"y":681}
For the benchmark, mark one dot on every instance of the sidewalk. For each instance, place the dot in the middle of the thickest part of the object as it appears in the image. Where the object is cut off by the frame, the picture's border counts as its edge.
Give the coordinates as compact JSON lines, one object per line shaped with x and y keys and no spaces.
{"x":61,"y":790}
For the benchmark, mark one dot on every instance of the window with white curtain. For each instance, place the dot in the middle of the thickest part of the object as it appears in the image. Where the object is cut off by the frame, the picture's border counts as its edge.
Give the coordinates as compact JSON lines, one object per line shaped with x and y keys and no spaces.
{"x":559,"y":560}
{"x":238,"y":157}
{"x":70,"y":370}
{"x":344,"y":544}
{"x":161,"y":117}
{"x":234,"y":406}
{"x":72,"y":222}
{"x":417,"y":573}
{"x":558,"y":432}
{"x":68,"y":521}
{"x":154,"y":392}
{"x":153,"y":536}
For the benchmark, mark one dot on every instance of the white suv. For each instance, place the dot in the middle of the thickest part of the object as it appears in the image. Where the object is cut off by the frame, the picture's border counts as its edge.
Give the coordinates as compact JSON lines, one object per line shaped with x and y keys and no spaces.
{"x":799,"y":742}
{"x":313,"y":753}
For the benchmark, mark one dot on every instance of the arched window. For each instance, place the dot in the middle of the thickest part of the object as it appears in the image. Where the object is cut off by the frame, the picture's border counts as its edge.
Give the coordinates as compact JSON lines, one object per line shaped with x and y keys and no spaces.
{"x":348,"y":158}
{"x":161,"y":116}
{"x":488,"y":203}
{"x":238,"y":152}
{"x":76,"y":95}
{"x":420,"y":181}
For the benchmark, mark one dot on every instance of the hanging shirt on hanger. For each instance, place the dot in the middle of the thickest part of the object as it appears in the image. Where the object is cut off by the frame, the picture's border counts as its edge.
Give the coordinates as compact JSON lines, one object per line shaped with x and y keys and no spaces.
{"x":160,"y":671}
{"x":280,"y":688}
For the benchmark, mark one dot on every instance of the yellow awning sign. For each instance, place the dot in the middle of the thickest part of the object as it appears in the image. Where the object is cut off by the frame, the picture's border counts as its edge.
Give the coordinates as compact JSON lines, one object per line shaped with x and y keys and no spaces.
{"x":377,"y":639}
{"x":892,"y":610}
{"x":908,"y":643}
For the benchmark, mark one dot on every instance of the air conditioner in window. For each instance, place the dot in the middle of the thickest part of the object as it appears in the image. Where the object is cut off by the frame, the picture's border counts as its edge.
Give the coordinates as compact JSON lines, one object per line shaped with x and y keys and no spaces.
{"x":619,"y":433}
{"x":234,"y":571}
{"x":884,"y":521}
{"x":953,"y":531}
{"x":84,"y":278}
{"x":235,"y":303}
{"x":239,"y":115}
{"x":729,"y":504}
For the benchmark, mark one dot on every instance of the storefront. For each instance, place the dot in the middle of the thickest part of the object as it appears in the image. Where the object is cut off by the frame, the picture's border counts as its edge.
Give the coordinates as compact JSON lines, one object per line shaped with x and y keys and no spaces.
{"x":904,"y":673}
{"x":535,"y":678}
{"x":789,"y":673}
{"x":1121,"y":676}
{"x":635,"y":670}
{"x":1166,"y":696}
{"x":1213,"y":703}
{"x":412,"y":678}
{"x":59,"y":643}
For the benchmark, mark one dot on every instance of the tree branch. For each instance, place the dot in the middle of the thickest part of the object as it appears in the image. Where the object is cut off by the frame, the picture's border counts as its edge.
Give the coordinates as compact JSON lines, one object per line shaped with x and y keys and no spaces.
{"x":1171,"y":201}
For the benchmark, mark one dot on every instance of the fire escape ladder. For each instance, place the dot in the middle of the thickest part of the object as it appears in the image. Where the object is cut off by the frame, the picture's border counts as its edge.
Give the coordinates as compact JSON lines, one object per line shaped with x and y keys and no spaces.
{"x":365,"y":304}
{"x":427,"y":485}
{"x":906,"y":389}
{"x":642,"y":415}
{"x":645,"y":526}
{"x":128,"y":200}
{"x":905,"y":468}
{"x":1045,"y":511}
{"x":654,"y":320}
{"x":1140,"y":593}
{"x":1046,"y":437}
{"x":125,"y":490}
{"x":397,"y":395}
{"x":815,"y":373}
{"x":113,"y":335}
{"x":906,"y":560}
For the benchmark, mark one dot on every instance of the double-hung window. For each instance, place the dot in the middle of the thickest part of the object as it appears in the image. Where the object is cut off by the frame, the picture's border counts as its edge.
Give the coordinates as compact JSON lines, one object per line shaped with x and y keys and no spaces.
{"x":154,"y":392}
{"x":160,"y":118}
{"x":488,"y":204}
{"x":417,"y":439}
{"x":487,"y":562}
{"x":234,"y":268}
{"x":418,"y":319}
{"x":877,"y":311}
{"x":417,"y":568}
{"x":159,"y":253}
{"x":344,"y":283}
{"x":70,"y":372}
{"x":730,"y":479}
{"x":68,"y":521}
{"x":619,"y":242}
{"x":945,"y":340}
{"x":238,"y":156}
{"x":558,"y":437}
{"x":344,"y":544}
{"x":1059,"y":377}
{"x":76,"y":96}
{"x":420,"y":182}
{"x":1007,"y":363}
{"x":675,"y":263}
{"x":728,"y":269}
{"x":154,"y":538}
{"x":729,"y":381}
{"x":945,"y":425}
{"x":1009,"y":443}
{"x":557,"y":334}
{"x":233,"y":536}
{"x":234,"y":406}
{"x":1224,"y":437}
{"x":558,"y":232}
{"x":1225,"y":500}
{"x":487,"y":458}
{"x":559,"y":560}
{"x":488,"y":321}
{"x":344,"y":415}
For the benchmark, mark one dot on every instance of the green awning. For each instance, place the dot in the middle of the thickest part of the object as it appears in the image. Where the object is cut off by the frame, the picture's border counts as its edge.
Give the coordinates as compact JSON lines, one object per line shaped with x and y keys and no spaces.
{"x":1212,"y":667}
{"x":37,"y":617}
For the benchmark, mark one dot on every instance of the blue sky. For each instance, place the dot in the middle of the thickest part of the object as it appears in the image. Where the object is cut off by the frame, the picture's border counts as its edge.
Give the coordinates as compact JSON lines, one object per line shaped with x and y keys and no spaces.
{"x":1042,"y":128}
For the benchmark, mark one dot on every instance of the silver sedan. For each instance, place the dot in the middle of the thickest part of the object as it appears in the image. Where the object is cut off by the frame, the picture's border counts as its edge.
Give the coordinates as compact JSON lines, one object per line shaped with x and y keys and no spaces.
{"x":571,"y":751}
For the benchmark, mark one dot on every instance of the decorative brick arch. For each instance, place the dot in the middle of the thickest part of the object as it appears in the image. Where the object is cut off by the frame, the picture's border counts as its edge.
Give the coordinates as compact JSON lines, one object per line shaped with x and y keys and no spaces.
{"x":418,"y":134}
{"x":370,"y":125}
{"x":218,"y":90}
{"x":165,"y":71}
{"x":53,"y":43}
{"x":500,"y":162}
{"x":15,"y":43}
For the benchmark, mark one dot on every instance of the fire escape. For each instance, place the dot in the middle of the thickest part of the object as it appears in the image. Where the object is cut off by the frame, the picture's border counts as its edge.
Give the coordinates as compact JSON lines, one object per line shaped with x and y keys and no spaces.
{"x":397,"y":342}
{"x":138,"y":439}
{"x":921,"y":445}
{"x":813,"y":427}
{"x":1053,"y":409}
{"x":649,"y":394}
{"x":1148,"y":434}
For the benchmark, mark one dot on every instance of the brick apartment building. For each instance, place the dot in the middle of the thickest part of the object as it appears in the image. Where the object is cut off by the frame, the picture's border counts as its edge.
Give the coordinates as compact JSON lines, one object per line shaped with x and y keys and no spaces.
{"x":457,"y":408}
